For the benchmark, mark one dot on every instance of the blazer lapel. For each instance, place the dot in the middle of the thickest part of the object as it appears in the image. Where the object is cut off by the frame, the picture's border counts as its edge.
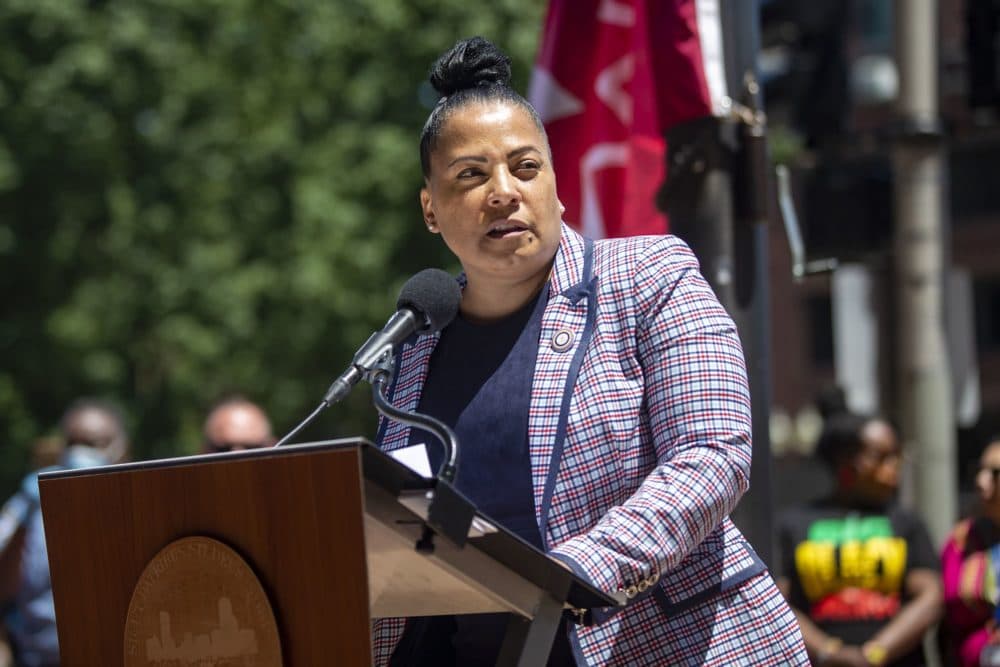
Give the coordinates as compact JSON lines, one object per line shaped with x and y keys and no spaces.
{"x":411,"y":374}
{"x":567,"y":326}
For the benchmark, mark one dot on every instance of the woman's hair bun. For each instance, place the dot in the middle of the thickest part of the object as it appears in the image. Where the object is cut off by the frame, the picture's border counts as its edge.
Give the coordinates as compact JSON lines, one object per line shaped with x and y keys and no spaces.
{"x":470,"y":63}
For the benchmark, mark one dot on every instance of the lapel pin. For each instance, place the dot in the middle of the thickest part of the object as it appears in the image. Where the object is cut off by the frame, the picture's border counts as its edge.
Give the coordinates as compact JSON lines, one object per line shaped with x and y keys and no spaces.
{"x":562,"y":340}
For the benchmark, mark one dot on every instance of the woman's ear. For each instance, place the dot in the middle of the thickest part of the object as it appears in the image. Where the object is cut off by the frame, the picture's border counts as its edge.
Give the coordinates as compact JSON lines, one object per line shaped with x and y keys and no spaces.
{"x":427,"y":207}
{"x":562,"y":207}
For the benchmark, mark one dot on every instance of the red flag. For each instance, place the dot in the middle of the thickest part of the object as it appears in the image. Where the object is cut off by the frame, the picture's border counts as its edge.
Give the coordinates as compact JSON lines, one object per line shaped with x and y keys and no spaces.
{"x":611,"y":77}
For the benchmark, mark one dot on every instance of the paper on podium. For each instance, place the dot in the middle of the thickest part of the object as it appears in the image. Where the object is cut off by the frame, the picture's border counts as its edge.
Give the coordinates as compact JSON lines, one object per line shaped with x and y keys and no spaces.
{"x":415,"y":458}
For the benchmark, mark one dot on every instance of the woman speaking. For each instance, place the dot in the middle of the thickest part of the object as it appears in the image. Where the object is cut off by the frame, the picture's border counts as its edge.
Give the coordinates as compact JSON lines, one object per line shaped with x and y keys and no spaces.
{"x":600,"y":394}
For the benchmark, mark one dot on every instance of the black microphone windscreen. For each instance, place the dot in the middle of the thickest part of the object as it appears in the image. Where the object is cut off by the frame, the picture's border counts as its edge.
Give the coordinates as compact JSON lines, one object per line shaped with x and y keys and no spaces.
{"x":434,"y":293}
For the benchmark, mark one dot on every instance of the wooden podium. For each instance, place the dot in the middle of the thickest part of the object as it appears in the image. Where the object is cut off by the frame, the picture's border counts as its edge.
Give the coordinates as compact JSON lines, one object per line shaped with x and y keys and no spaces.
{"x":329,"y":535}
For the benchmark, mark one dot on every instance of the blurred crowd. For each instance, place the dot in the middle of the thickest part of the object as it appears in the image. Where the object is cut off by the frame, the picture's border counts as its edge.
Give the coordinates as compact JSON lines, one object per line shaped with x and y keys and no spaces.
{"x":91,"y":432}
{"x":865,"y":580}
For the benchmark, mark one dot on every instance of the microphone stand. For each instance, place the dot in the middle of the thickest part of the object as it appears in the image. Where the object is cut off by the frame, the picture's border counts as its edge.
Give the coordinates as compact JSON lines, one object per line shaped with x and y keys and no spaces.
{"x":450,"y":513}
{"x":379,"y":378}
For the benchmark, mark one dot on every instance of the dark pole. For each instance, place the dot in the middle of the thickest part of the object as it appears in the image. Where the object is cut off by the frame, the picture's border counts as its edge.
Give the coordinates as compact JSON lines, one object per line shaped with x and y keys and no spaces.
{"x":716,"y":197}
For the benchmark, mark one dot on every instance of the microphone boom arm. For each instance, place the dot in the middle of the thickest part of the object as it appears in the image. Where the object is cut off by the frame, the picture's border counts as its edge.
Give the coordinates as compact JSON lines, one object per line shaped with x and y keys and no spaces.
{"x":379,"y":380}
{"x":427,"y":303}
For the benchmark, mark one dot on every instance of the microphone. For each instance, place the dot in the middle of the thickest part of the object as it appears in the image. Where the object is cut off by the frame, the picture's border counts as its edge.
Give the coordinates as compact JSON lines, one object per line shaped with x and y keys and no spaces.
{"x":428,"y":302}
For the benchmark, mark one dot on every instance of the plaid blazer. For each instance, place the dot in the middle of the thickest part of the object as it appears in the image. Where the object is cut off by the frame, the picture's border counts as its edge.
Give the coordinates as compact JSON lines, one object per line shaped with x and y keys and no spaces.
{"x":639,"y":437}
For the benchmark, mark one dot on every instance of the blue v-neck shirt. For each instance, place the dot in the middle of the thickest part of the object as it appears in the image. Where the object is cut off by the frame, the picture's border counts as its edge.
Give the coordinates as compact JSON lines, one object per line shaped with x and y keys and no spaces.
{"x":479,"y":383}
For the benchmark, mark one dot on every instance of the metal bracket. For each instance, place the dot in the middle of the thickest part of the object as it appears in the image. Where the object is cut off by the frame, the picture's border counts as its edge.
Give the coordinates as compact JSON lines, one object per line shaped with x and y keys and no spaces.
{"x":800,"y":266}
{"x":384,"y":366}
{"x":743,"y":114}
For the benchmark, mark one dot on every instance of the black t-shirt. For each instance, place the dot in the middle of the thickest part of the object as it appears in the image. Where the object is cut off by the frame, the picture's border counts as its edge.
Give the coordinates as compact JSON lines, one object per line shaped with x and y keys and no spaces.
{"x":848,"y":568}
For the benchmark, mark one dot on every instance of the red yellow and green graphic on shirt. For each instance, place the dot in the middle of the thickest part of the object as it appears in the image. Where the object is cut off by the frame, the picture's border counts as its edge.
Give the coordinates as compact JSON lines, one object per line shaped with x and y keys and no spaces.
{"x":851,"y":568}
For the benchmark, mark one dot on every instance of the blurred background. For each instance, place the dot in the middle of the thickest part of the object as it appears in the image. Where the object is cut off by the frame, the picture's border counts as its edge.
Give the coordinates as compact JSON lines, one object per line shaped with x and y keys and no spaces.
{"x":831,"y":79}
{"x":206,"y":196}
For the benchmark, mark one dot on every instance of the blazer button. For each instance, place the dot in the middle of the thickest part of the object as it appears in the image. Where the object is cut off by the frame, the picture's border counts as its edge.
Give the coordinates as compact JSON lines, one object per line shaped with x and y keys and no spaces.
{"x":562,"y":340}
{"x":643,"y":585}
{"x":631,"y":592}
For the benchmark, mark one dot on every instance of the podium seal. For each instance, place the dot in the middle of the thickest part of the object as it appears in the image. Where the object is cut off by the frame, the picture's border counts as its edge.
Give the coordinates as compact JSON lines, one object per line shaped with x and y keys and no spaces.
{"x":198,"y":603}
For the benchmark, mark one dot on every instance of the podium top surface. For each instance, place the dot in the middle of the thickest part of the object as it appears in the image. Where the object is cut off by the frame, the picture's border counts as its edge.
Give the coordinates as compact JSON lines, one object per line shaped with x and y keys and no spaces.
{"x":398,"y":480}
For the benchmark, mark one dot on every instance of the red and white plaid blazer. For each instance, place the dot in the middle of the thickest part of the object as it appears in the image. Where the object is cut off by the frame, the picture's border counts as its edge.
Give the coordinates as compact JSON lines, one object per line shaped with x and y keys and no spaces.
{"x":639,"y":435}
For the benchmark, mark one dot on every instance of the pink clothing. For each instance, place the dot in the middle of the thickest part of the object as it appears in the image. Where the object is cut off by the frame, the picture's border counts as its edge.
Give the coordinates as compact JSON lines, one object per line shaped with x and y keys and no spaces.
{"x":968,"y":570}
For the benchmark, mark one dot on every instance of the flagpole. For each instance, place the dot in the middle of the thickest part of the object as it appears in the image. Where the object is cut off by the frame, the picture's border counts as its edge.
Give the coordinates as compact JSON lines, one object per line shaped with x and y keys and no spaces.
{"x":716,"y":198}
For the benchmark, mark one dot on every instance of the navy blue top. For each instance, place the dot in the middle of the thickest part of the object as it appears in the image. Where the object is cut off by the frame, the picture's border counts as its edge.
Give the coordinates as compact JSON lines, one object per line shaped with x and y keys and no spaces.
{"x":479,"y":383}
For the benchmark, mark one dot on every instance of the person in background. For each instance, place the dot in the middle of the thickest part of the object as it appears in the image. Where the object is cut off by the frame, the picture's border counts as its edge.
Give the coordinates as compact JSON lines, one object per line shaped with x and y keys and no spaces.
{"x":599,"y":390}
{"x":93,"y":434}
{"x":234,"y":424}
{"x":860,"y":572}
{"x":970,"y":570}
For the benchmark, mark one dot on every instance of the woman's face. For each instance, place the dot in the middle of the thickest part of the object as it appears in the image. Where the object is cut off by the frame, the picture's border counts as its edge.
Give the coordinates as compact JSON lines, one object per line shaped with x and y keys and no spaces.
{"x":491,"y":194}
{"x":878,"y":462}
{"x":989,"y":475}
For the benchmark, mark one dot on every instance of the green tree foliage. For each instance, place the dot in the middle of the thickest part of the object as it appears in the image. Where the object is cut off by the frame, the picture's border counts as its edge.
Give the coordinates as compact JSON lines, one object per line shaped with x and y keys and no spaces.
{"x":203,"y":196}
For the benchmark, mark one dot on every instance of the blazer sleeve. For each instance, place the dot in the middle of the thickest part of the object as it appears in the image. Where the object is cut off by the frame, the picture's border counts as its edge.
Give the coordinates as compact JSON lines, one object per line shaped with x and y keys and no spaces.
{"x":697,"y":405}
